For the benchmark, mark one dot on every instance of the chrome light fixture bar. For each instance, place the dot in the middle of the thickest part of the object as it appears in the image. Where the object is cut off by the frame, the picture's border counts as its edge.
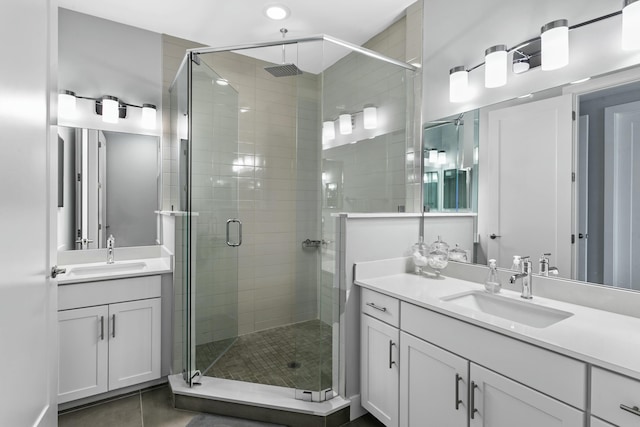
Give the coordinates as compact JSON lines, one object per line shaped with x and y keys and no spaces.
{"x":111,"y":108}
{"x":554,"y":51}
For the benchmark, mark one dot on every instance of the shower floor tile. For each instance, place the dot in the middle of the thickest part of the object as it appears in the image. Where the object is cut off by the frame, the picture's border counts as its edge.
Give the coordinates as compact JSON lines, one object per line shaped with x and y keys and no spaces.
{"x":297,"y":356}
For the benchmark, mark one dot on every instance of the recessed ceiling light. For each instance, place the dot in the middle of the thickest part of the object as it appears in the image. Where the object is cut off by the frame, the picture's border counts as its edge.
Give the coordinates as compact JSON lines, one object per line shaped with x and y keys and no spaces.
{"x":581,"y":81}
{"x":276,"y":12}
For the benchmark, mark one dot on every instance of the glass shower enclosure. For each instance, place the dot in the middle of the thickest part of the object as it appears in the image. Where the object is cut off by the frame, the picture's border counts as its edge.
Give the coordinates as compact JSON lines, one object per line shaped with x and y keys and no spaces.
{"x":262,"y":157}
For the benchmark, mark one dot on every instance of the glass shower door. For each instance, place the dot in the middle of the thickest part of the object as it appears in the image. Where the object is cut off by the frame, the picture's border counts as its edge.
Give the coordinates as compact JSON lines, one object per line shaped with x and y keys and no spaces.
{"x":213,"y":200}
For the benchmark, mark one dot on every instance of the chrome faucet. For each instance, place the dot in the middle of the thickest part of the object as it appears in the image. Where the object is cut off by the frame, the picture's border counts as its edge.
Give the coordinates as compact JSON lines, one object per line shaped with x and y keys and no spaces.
{"x":525,"y":275}
{"x":544,"y":266}
{"x":111,"y":241}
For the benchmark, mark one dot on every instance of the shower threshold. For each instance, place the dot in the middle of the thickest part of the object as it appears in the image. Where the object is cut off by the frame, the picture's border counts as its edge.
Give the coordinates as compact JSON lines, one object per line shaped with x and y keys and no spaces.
{"x":258,"y":402}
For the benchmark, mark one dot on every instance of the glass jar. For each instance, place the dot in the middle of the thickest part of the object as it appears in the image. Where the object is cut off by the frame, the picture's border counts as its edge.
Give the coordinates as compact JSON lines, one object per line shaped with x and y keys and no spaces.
{"x":438,"y":257}
{"x":458,"y":254}
{"x":419,"y":252}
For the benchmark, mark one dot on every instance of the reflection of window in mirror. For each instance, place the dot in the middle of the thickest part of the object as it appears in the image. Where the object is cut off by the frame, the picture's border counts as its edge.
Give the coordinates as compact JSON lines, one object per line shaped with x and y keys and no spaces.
{"x":455,"y":189}
{"x":430,"y":191}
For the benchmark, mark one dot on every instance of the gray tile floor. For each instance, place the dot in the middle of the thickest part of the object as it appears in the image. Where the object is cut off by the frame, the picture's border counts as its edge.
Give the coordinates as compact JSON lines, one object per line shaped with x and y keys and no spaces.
{"x":154,"y":408}
{"x":264,"y":357}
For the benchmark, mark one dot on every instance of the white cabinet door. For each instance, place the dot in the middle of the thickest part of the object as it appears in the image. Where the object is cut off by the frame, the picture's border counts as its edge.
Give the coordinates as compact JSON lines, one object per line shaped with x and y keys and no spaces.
{"x":433,"y":385}
{"x":134,"y":342}
{"x":379,"y":370}
{"x":82,"y":353}
{"x":496,"y":401}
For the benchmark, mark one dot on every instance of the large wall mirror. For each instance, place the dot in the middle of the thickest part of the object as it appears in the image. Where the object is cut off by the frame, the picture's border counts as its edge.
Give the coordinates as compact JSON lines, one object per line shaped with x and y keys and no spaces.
{"x":560,"y":172}
{"x":109,"y":184}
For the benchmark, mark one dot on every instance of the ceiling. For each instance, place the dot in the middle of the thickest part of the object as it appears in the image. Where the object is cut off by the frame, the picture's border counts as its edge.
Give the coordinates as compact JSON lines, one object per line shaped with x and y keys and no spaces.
{"x":220,"y":24}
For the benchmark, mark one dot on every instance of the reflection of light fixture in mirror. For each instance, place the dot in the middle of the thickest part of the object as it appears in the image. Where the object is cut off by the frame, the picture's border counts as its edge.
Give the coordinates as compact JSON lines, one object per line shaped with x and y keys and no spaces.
{"x":442,"y":157}
{"x":222,"y":82}
{"x":148,"y":116}
{"x":411,"y":157}
{"x":631,"y":25}
{"x":577,"y":82}
{"x":277,"y":12}
{"x":433,"y":155}
{"x":345,"y":124}
{"x":555,"y":44}
{"x":495,"y":63}
{"x":458,"y":84}
{"x":328,"y":130}
{"x":325,"y":177}
{"x":476,"y":155}
{"x":67,"y":103}
{"x":370,"y":117}
{"x":110,"y":109}
{"x":528,"y":95}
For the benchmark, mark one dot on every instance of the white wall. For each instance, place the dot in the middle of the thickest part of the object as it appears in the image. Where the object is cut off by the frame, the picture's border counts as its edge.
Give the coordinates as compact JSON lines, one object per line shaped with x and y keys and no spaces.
{"x":99,"y":57}
{"x":458,"y":34}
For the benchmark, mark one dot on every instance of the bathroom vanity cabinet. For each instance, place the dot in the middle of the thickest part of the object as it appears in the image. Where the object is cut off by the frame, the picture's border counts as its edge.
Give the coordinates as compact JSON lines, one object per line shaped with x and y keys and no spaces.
{"x":451,"y":373}
{"x":109,"y":335}
{"x":379,"y":366}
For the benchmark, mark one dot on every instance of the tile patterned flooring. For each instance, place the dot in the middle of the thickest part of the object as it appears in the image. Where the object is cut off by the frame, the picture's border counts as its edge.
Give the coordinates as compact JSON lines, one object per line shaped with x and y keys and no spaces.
{"x":264,"y":357}
{"x":151,"y":408}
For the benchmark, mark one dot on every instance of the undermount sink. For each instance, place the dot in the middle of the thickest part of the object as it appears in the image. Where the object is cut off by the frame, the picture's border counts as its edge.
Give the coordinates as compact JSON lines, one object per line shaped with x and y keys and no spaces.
{"x":526,"y":313}
{"x":116,"y":267}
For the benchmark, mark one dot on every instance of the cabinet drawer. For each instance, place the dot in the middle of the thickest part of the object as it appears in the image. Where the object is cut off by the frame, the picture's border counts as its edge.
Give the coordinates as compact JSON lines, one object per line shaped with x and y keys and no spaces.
{"x":609,"y":391}
{"x":595,"y":422}
{"x":90,"y":294}
{"x":550,"y":373}
{"x":381,"y":307}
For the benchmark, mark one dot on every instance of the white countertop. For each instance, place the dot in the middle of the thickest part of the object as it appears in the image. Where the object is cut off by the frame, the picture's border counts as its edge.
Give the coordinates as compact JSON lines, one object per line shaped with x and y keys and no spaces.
{"x":122,"y":269}
{"x":605,"y":339}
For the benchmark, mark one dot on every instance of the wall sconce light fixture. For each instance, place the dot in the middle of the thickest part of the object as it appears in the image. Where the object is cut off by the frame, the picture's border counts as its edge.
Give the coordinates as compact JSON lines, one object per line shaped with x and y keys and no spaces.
{"x":458,"y":84}
{"x":109,"y":107}
{"x":345,"y":124}
{"x":149,"y":116}
{"x":370,"y":117}
{"x":328,"y":130}
{"x":67,"y":104}
{"x":555,"y":44}
{"x":433,"y":155}
{"x":442,"y":157}
{"x":495,"y":71}
{"x":631,"y":25}
{"x":550,"y":49}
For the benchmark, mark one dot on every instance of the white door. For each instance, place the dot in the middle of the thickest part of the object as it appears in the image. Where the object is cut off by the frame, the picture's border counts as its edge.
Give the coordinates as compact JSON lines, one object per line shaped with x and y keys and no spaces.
{"x":134,"y":342}
{"x":434,"y":385}
{"x":622,"y":183}
{"x":583,"y":198}
{"x":379,"y":370}
{"x":28,"y":296}
{"x":496,"y":401}
{"x":530,"y":188}
{"x":82,"y":352}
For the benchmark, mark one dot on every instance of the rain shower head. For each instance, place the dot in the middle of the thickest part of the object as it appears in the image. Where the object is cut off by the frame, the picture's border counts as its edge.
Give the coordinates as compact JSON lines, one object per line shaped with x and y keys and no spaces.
{"x":284,"y":69}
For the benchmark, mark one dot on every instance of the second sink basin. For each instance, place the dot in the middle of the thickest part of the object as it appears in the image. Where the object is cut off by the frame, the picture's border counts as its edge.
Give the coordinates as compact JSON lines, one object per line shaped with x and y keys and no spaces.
{"x":522,"y":312}
{"x":116,"y":267}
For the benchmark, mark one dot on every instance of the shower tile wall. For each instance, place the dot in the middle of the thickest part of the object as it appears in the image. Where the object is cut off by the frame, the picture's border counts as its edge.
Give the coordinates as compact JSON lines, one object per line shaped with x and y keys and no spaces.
{"x":272,"y":288}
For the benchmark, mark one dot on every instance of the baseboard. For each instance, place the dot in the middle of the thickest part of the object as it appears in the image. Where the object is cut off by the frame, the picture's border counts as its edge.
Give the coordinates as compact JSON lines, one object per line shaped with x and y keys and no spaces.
{"x":356,"y":410}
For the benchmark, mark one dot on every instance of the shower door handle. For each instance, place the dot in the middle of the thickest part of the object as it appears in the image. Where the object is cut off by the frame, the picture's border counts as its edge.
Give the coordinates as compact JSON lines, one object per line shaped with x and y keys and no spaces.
{"x":229,"y":222}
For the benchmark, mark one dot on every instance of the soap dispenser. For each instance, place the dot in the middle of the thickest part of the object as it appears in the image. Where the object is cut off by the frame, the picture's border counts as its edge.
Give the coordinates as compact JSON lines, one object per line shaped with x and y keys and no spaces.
{"x":492,"y":284}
